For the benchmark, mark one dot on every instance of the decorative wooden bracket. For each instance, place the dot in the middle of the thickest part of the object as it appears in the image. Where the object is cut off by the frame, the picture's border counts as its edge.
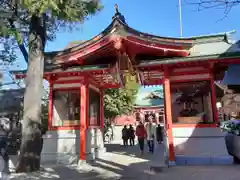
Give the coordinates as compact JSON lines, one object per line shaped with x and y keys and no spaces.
{"x":89,"y":78}
{"x":131,"y":61}
{"x":167,"y":70}
{"x":51,"y":77}
{"x":211,"y":66}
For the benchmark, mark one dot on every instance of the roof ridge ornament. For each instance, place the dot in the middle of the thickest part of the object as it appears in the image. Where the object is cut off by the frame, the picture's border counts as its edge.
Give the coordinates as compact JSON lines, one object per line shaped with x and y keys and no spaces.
{"x":118,"y":15}
{"x":116,"y":8}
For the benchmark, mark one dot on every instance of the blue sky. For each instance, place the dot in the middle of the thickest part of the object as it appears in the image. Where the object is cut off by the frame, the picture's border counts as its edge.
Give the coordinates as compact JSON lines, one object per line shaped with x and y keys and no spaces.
{"x":144,"y":89}
{"x":159,"y":17}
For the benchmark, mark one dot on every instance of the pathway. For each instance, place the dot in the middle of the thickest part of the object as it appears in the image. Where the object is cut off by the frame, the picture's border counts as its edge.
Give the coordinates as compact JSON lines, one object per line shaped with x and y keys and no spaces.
{"x":130,"y":156}
{"x":126,"y":163}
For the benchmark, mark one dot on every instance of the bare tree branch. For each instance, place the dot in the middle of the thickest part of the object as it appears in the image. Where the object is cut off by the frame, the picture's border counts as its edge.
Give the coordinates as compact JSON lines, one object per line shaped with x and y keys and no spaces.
{"x":20,"y":42}
{"x":226,"y":5}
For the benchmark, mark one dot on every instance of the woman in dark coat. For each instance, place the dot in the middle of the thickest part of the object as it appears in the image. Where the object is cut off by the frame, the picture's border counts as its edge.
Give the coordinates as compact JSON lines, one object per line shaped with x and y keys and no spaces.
{"x":125,"y":136}
{"x":159,"y":134}
{"x":131,"y":134}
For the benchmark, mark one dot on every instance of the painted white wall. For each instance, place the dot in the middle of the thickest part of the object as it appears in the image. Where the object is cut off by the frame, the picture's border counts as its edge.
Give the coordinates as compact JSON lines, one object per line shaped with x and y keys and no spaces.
{"x":95,"y":145}
{"x":192,"y":141}
{"x":204,"y":141}
{"x":61,"y":147}
{"x":117,"y":132}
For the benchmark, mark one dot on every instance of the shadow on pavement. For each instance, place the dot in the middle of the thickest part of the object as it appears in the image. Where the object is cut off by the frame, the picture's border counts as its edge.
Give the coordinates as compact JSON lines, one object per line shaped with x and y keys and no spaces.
{"x":60,"y":172}
{"x":126,"y":163}
{"x":133,"y":151}
{"x":139,"y":171}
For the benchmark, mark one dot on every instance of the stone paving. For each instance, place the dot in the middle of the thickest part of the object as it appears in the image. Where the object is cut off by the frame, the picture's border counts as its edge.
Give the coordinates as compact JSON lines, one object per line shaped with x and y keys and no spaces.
{"x":173,"y":173}
{"x":126,"y":163}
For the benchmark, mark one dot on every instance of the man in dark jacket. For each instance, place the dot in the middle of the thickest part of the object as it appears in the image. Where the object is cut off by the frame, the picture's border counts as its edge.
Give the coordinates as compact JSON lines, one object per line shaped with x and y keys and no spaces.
{"x":125,"y":136}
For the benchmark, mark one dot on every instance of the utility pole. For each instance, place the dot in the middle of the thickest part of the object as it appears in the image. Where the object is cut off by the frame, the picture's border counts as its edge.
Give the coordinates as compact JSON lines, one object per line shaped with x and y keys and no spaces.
{"x":180,"y":16}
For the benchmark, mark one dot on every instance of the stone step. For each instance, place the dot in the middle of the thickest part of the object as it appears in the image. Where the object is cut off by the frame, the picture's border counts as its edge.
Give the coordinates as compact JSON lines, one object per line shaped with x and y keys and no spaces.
{"x":204,"y":160}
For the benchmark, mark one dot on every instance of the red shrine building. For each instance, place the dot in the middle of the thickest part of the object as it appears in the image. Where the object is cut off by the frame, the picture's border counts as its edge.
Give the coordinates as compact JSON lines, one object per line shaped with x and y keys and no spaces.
{"x":185,"y":67}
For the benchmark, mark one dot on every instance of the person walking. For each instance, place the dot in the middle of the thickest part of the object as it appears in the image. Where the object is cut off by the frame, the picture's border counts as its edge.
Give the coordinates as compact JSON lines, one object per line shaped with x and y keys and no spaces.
{"x":4,"y":157}
{"x":125,"y":136}
{"x":141,"y":135}
{"x":159,"y":134}
{"x":131,"y":132}
{"x":151,"y":130}
{"x":4,"y":154}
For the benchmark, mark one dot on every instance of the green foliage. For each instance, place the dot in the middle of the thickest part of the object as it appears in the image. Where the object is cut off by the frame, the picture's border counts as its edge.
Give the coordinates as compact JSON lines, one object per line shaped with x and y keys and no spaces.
{"x":120,"y":101}
{"x":55,"y":15}
{"x":7,"y":53}
{"x":231,"y":126}
{"x":70,"y":10}
{"x":33,"y":22}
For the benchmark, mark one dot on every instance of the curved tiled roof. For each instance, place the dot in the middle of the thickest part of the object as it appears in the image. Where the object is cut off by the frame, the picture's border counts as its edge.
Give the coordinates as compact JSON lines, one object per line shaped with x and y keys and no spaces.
{"x":74,"y":44}
{"x":149,"y":98}
{"x":119,"y":27}
{"x":198,"y":48}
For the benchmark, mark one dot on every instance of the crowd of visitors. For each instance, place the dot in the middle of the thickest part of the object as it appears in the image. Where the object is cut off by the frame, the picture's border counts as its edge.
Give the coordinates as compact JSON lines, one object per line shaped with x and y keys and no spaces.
{"x":128,"y":134}
{"x":148,"y":131}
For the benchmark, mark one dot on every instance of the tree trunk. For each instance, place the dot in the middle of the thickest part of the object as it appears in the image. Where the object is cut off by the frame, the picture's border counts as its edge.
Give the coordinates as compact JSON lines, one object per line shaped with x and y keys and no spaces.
{"x":31,"y":141}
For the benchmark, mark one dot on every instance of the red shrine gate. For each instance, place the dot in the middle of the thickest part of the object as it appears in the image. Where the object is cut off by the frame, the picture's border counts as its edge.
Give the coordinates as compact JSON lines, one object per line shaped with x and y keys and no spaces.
{"x":85,"y":70}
